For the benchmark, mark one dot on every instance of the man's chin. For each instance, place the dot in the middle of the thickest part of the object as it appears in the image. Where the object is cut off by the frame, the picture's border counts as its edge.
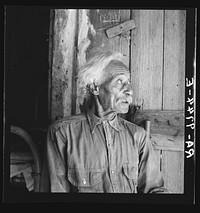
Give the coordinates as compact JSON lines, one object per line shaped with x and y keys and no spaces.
{"x":123,"y":110}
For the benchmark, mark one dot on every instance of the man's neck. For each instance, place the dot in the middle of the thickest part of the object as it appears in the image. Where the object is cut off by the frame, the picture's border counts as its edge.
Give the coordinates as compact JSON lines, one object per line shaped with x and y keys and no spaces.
{"x":99,"y":111}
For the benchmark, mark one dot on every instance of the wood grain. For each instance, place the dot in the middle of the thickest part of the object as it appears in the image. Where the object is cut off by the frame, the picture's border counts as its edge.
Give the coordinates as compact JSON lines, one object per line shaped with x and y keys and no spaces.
{"x":121,"y":28}
{"x":147,"y":57}
{"x":157,"y":153}
{"x":62,"y":65}
{"x":174,"y":60}
{"x":50,"y":60}
{"x":173,"y":171}
{"x":165,"y":142}
{"x":167,"y":122}
{"x":121,"y":42}
{"x":103,"y":20}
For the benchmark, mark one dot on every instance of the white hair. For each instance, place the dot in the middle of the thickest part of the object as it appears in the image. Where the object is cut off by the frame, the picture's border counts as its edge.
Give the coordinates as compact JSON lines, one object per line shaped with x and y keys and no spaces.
{"x":93,"y":71}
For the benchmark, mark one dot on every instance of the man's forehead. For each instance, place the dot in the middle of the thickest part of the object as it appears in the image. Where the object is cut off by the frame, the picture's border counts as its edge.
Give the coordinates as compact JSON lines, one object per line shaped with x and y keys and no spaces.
{"x":115,"y":67}
{"x":122,"y":74}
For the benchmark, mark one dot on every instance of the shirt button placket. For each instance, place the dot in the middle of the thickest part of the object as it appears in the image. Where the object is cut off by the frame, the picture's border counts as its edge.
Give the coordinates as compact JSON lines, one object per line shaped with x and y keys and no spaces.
{"x":114,"y":180}
{"x":109,"y":144}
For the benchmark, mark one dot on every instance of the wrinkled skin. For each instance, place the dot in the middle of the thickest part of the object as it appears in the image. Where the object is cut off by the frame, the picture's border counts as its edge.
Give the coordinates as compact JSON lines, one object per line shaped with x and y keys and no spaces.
{"x":114,"y":95}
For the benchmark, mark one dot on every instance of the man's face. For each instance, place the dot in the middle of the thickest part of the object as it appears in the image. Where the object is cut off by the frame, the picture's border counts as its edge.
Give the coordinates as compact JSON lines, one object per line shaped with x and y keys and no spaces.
{"x":115,"y":93}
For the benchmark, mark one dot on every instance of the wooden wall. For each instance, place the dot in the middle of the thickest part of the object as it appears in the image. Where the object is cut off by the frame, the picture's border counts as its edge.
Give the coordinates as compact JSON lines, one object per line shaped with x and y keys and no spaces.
{"x":158,"y":58}
{"x":158,"y":73}
{"x":154,"y":50}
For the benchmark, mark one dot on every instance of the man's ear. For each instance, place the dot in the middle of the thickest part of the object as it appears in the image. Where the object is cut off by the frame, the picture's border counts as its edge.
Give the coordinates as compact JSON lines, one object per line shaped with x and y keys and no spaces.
{"x":94,"y":89}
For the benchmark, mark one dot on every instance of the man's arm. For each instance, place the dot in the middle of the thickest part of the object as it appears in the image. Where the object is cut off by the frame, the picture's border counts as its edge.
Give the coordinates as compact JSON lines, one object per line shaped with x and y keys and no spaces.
{"x":55,"y":175}
{"x":150,"y":179}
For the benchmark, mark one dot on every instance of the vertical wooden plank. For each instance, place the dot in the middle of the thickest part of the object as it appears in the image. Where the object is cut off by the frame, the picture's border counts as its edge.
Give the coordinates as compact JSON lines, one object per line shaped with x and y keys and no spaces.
{"x":86,"y":35}
{"x":50,"y":58}
{"x":157,"y":152}
{"x":62,"y":64}
{"x":174,"y":60}
{"x":121,"y":43}
{"x":173,"y":170}
{"x":174,"y":90}
{"x":147,"y":57}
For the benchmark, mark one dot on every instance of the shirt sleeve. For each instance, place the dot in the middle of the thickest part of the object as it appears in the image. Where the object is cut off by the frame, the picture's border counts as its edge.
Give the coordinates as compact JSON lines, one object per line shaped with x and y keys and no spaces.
{"x":55,"y":157}
{"x":150,"y":179}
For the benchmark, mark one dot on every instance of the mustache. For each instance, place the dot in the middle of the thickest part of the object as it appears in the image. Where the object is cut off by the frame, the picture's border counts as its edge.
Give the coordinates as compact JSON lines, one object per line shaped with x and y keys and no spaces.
{"x":127,"y":99}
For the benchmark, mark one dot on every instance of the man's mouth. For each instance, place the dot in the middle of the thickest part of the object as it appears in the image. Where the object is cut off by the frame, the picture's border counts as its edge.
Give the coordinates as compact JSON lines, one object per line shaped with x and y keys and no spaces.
{"x":126,"y":101}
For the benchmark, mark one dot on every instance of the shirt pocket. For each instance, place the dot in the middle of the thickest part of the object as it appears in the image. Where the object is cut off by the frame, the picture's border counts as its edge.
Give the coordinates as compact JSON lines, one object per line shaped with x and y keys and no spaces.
{"x":130,"y":176}
{"x":85,"y":180}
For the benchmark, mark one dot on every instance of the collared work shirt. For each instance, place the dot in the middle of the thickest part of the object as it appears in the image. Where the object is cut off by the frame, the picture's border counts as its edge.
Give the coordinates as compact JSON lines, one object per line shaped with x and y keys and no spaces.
{"x":89,"y":154}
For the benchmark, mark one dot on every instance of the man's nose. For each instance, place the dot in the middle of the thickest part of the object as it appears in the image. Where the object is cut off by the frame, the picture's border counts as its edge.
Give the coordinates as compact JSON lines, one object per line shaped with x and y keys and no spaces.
{"x":128,"y":90}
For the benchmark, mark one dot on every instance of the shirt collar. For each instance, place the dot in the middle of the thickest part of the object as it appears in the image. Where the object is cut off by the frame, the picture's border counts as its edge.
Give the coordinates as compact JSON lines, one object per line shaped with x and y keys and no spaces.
{"x":94,"y":121}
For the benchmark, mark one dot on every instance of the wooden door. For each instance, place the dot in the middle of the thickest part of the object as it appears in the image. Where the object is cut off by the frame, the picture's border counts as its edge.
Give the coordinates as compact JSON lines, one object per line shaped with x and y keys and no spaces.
{"x":154,"y":50}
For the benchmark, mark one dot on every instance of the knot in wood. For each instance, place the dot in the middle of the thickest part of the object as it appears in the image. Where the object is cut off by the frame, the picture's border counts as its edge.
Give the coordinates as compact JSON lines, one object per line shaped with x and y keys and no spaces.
{"x":156,"y":120}
{"x":177,"y":117}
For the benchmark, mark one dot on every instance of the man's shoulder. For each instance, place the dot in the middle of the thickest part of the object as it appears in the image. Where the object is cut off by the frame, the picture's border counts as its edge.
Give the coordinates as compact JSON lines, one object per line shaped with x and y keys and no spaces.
{"x":130,"y":124}
{"x":68,"y":120}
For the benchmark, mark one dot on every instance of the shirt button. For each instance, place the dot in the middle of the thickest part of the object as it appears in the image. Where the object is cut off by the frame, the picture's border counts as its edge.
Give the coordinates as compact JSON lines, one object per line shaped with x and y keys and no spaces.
{"x":84,"y":181}
{"x":112,"y":171}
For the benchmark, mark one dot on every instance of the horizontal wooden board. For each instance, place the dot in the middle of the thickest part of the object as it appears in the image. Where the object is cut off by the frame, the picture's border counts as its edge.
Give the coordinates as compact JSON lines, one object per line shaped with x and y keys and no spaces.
{"x":121,"y":28}
{"x":165,"y":142}
{"x":170,"y":122}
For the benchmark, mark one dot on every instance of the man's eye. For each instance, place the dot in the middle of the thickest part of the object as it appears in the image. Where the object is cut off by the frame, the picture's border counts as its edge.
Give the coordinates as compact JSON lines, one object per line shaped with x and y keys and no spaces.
{"x":119,"y":81}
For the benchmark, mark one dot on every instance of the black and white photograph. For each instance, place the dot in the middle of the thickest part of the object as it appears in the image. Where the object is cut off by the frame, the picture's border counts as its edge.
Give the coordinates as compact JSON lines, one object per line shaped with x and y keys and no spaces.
{"x":99,"y":104}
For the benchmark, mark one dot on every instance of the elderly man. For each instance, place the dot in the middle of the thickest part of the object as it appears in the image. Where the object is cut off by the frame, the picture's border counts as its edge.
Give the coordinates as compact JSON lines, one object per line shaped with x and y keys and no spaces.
{"x":98,"y":151}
